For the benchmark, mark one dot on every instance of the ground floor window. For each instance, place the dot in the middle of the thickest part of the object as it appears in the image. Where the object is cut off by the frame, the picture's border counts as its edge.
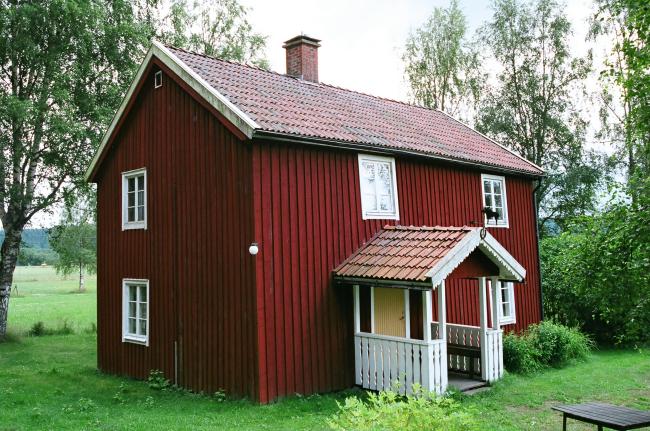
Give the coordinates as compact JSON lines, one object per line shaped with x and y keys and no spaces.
{"x":507,"y":306}
{"x":135,"y":313}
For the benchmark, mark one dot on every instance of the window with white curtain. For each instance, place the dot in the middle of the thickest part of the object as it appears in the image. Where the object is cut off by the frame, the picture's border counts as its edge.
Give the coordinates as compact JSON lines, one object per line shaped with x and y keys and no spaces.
{"x":378,"y":187}
{"x":494,"y":198}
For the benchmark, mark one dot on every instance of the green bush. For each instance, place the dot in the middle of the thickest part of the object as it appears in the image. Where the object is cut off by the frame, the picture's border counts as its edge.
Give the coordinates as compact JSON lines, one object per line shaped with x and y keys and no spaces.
{"x":520,"y":355}
{"x":389,"y":411}
{"x":557,"y":344}
{"x":542,"y":345}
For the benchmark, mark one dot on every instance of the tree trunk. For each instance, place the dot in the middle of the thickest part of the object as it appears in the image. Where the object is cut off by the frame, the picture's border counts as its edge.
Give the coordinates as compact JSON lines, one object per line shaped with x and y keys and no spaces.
{"x":8,"y":258}
{"x":82,"y":282}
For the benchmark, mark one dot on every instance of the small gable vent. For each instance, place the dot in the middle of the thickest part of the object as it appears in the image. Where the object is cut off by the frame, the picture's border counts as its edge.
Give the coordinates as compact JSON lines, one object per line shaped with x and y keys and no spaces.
{"x":157,"y":79}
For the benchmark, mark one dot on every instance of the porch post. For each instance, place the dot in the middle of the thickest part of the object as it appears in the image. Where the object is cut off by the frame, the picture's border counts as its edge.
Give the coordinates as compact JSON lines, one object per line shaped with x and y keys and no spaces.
{"x":426,"y":315}
{"x":495,"y":286}
{"x":442,"y":312}
{"x":357,"y":310}
{"x":483,"y":310}
{"x":442,"y":334}
{"x":428,"y":370}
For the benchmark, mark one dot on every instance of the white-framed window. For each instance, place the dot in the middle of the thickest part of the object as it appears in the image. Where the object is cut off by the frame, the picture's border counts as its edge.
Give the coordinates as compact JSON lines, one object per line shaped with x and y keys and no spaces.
{"x":378,"y":187}
{"x":135,"y":311}
{"x":494,"y":199}
{"x":134,"y":199}
{"x":507,"y":303}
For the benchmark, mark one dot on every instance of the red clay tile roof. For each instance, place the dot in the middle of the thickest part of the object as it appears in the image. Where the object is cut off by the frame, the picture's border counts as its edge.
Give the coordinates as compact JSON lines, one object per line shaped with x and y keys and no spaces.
{"x":287,"y":105}
{"x":402,"y":253}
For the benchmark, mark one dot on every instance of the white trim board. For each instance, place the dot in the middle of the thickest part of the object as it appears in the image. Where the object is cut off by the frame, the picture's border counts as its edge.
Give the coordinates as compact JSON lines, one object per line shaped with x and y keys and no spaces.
{"x":509,"y":268}
{"x":217,"y":100}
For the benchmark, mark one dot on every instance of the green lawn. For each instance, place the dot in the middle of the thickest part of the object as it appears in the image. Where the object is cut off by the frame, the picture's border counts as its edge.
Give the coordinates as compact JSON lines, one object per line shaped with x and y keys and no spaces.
{"x":39,"y":294}
{"x":51,"y":382}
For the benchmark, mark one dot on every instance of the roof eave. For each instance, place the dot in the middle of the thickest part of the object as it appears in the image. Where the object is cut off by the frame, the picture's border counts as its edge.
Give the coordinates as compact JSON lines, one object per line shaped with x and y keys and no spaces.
{"x":334,"y":143}
{"x":217,"y":100}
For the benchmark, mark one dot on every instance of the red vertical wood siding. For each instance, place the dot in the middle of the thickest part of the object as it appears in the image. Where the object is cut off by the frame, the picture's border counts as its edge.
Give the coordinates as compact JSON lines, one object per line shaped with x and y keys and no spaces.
{"x":308,"y":220}
{"x":194,"y":251}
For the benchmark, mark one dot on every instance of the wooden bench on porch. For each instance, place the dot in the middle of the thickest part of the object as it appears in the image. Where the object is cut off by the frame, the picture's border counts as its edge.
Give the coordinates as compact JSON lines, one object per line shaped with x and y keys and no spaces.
{"x":470,"y":352}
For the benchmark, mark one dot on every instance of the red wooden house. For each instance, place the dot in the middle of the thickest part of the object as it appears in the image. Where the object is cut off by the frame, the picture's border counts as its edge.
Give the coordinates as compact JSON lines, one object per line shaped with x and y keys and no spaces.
{"x":268,"y":234}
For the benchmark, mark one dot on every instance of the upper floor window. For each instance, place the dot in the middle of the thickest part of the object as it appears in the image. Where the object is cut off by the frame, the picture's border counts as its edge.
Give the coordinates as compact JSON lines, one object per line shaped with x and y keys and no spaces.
{"x":494,"y":200}
{"x":135,"y":312}
{"x":134,"y":199}
{"x":507,"y":303}
{"x":378,"y":187}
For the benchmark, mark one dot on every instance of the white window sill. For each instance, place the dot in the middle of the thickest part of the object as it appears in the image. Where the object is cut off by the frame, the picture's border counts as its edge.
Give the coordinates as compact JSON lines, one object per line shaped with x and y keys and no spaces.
{"x":380,"y":216}
{"x":144,"y":341}
{"x":505,"y":226}
{"x":507,"y":321}
{"x":134,"y":225}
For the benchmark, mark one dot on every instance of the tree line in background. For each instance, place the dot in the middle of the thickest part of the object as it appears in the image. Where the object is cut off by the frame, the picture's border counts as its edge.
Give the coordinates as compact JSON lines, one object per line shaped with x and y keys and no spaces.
{"x":593,"y":206}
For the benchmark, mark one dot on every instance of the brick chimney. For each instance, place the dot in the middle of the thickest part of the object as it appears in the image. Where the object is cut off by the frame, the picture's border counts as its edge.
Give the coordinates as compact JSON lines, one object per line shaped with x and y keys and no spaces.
{"x":302,"y":57}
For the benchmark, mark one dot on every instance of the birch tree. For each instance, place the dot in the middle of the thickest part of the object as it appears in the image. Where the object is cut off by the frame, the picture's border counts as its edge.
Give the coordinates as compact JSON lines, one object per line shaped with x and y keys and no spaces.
{"x":63,"y":66}
{"x":441,"y":66}
{"x":532,"y":108}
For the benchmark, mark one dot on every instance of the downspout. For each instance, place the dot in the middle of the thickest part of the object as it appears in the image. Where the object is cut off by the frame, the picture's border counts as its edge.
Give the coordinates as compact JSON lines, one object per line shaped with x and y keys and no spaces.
{"x":539,"y":264}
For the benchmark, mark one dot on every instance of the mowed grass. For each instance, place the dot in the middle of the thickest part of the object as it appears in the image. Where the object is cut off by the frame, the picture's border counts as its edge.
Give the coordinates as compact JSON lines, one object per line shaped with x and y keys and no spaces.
{"x":51,"y":382}
{"x":40,"y":294}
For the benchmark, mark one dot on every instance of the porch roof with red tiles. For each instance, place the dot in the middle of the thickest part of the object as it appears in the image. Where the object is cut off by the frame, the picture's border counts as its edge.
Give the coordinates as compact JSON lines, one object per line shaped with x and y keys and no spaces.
{"x":400,"y":253}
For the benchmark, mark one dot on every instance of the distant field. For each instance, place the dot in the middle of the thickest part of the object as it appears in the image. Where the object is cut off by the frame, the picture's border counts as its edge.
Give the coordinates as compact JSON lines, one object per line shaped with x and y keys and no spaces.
{"x":40,"y":294}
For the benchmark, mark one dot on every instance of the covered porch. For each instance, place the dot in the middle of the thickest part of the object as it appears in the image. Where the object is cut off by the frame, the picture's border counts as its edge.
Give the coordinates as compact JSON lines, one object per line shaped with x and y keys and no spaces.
{"x":396,"y":278}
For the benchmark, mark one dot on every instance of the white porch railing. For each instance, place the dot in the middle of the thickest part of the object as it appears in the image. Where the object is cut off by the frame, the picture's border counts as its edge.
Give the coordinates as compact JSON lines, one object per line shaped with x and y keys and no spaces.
{"x":384,"y":362}
{"x":462,"y":335}
{"x":494,"y":357}
{"x":470,"y":336}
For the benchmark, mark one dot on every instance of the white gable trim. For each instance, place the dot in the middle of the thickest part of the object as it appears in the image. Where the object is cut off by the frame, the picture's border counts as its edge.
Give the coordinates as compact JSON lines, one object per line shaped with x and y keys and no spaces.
{"x":217,"y":100}
{"x":509,"y":268}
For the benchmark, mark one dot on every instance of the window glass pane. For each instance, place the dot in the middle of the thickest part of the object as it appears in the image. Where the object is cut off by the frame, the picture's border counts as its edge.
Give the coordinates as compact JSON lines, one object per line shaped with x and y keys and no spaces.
{"x":131,"y":199}
{"x":497,"y":187}
{"x":132,"y":293}
{"x":488,"y":201}
{"x":498,"y":201}
{"x":130,"y":214}
{"x":505,"y":310}
{"x":142,"y":330}
{"x":369,"y":202}
{"x":385,"y":203}
{"x":143,"y":310}
{"x":131,"y":182}
{"x":141,"y":198}
{"x":141,"y":213}
{"x":487,"y":187}
{"x":143,"y":293}
{"x":500,"y":211}
{"x":132,"y":309}
{"x":131,"y":326}
{"x":141,"y":182}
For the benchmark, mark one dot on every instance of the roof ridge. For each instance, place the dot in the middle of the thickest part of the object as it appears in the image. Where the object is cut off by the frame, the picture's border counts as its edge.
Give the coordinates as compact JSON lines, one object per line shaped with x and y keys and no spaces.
{"x":428,"y":228}
{"x":304,"y":82}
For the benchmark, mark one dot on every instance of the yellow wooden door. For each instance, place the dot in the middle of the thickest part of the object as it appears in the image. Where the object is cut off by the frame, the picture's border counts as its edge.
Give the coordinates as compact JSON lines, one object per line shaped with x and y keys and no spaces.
{"x":389,"y":312}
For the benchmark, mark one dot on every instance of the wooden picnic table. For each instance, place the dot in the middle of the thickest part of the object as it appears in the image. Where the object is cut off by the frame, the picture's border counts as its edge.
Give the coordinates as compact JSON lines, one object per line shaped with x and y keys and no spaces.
{"x":605,"y":415}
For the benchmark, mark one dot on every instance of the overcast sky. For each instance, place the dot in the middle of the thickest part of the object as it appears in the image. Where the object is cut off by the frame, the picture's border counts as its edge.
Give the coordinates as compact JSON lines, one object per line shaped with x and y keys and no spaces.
{"x":362,"y":40}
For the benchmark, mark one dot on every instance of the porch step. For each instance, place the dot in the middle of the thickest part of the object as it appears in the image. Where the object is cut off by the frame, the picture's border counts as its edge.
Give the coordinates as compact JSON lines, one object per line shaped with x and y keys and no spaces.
{"x":464,"y":383}
{"x":478,"y":390}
